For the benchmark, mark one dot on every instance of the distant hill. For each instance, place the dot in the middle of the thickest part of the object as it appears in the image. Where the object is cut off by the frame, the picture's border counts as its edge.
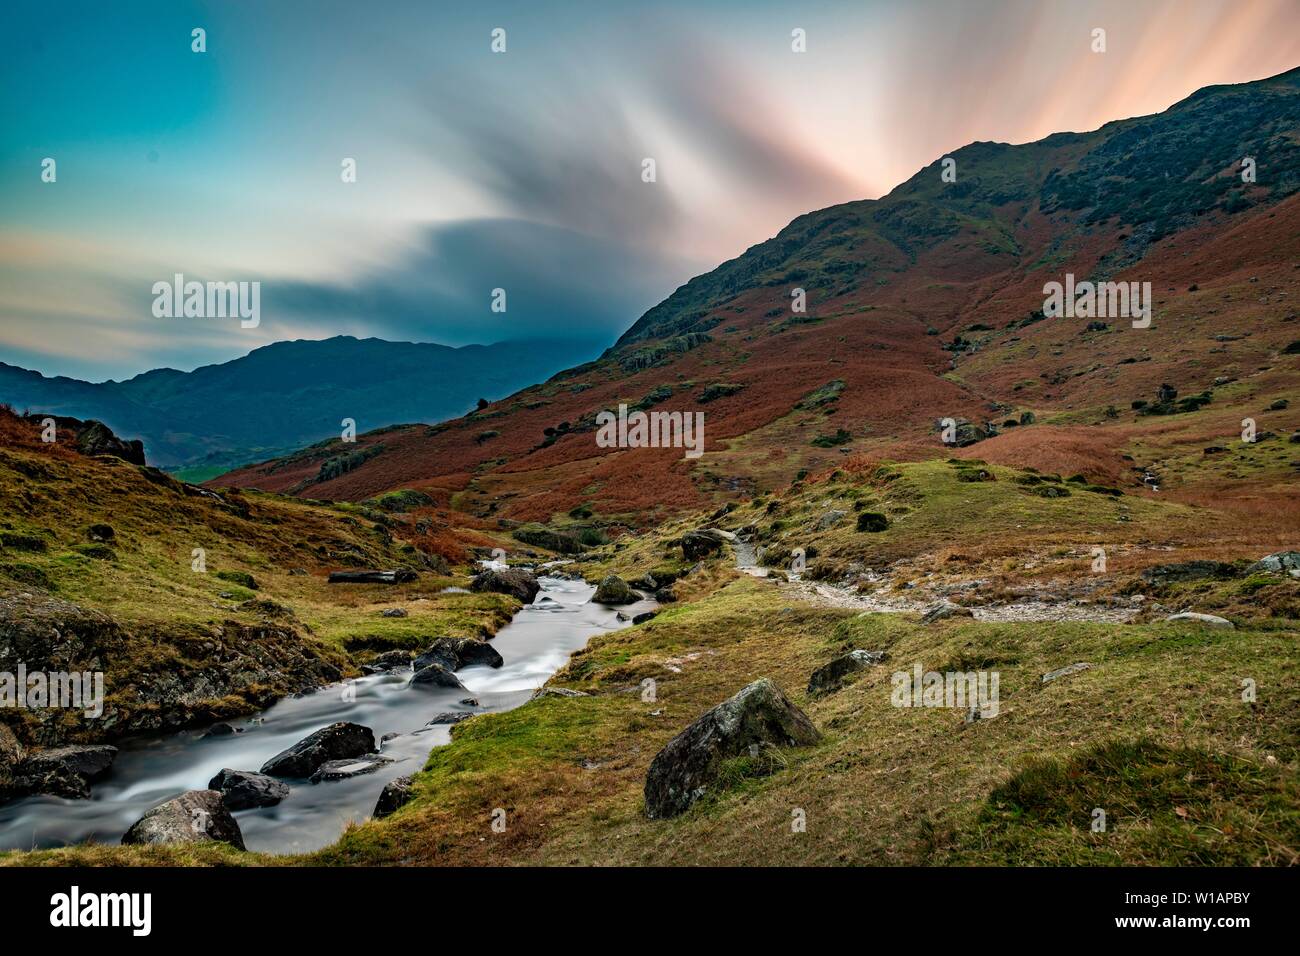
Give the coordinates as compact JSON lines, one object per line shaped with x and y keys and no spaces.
{"x":928,"y":304}
{"x":289,"y":394}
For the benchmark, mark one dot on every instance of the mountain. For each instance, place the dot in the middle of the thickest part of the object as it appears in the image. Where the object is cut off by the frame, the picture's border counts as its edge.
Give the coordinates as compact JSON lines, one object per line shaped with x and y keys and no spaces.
{"x":285,"y":395}
{"x":923,"y":305}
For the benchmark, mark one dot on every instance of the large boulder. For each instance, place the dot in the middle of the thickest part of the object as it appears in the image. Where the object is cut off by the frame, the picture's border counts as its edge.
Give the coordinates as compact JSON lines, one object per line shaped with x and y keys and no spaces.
{"x":829,"y":677}
{"x":335,"y":742}
{"x":454,"y":653}
{"x":759,"y":716}
{"x":395,"y":795}
{"x":193,"y":817}
{"x":614,"y":590}
{"x":1282,"y":562}
{"x":1209,"y":620}
{"x":435,"y":675}
{"x":243,"y":789}
{"x":88,"y":761}
{"x":700,"y":544}
{"x":513,"y":581}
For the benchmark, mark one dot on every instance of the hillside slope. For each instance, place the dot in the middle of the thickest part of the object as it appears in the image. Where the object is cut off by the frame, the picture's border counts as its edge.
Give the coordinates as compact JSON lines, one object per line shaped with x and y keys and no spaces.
{"x":924,"y":305}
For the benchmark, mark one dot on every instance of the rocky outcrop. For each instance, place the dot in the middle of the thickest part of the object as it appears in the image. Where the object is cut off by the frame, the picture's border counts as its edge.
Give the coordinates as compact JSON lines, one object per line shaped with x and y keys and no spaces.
{"x":395,"y":795}
{"x":396,"y":576}
{"x":513,"y":581}
{"x":454,"y":653}
{"x":62,"y":771}
{"x":1282,"y":562}
{"x":336,"y":742}
{"x":1184,"y":571}
{"x":944,"y":610}
{"x":614,"y":590}
{"x":1209,"y":620}
{"x":830,"y":677}
{"x":434,"y":674}
{"x":193,"y":817}
{"x":759,"y":716}
{"x":704,"y":542}
{"x":243,"y":789}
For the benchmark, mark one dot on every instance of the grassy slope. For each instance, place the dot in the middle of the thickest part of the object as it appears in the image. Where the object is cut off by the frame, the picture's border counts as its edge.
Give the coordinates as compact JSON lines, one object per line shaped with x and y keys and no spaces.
{"x":1156,"y":732}
{"x":169,"y":613}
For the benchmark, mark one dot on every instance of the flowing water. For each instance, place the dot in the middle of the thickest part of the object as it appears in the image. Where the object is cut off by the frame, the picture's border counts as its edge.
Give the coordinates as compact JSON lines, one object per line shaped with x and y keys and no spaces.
{"x":151,"y":770}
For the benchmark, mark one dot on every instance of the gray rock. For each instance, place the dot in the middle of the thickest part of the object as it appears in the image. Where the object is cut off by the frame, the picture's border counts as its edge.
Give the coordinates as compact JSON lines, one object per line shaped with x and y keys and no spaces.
{"x":391,"y":660}
{"x":338,"y":741}
{"x":698,"y":545}
{"x":193,"y":817}
{"x":1281,"y":562}
{"x":219,"y":730}
{"x":830,"y":519}
{"x":435,"y":675}
{"x":1065,"y":671}
{"x":89,"y":762}
{"x":449,"y":717}
{"x":454,"y":653}
{"x":614,"y":590}
{"x":393,"y":612}
{"x":1210,"y":620}
{"x":943,"y":610}
{"x":513,"y":581}
{"x":666,"y":595}
{"x":396,"y":794}
{"x":830,"y":677}
{"x":351,"y":767}
{"x":557,"y":692}
{"x":243,"y":789}
{"x":758,"y":716}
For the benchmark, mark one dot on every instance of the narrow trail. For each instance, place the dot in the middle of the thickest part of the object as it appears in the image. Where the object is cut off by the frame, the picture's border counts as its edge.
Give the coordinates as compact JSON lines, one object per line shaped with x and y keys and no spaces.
{"x":833,"y":595}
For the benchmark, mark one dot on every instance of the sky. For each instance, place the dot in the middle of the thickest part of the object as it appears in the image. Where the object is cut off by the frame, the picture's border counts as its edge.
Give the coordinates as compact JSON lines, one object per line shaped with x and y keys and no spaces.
{"x":520,"y":170}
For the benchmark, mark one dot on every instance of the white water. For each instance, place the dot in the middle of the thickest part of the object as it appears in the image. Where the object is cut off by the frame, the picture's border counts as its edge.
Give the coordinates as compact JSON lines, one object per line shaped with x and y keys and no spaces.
{"x":151,"y":770}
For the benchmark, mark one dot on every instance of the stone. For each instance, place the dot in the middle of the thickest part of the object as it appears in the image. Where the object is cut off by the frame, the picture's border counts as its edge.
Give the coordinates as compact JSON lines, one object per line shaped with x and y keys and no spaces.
{"x":830,"y":677}
{"x":219,"y":730}
{"x":89,"y":762}
{"x":449,"y":717}
{"x":1281,"y":562}
{"x":1065,"y":671}
{"x":435,"y":675}
{"x":1210,"y":620}
{"x":454,"y":653}
{"x":393,"y":612}
{"x":759,"y":716}
{"x":338,"y":741}
{"x":614,"y":590}
{"x":644,"y":616}
{"x":243,"y":789}
{"x":351,"y":767}
{"x":557,"y":692}
{"x":391,"y":660}
{"x":513,"y":581}
{"x":396,"y":794}
{"x":700,"y":544}
{"x":193,"y":817}
{"x":944,"y":610}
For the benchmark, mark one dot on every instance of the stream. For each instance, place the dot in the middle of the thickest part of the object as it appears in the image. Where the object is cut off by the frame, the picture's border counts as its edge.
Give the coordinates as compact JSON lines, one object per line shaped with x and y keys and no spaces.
{"x":152,"y":769}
